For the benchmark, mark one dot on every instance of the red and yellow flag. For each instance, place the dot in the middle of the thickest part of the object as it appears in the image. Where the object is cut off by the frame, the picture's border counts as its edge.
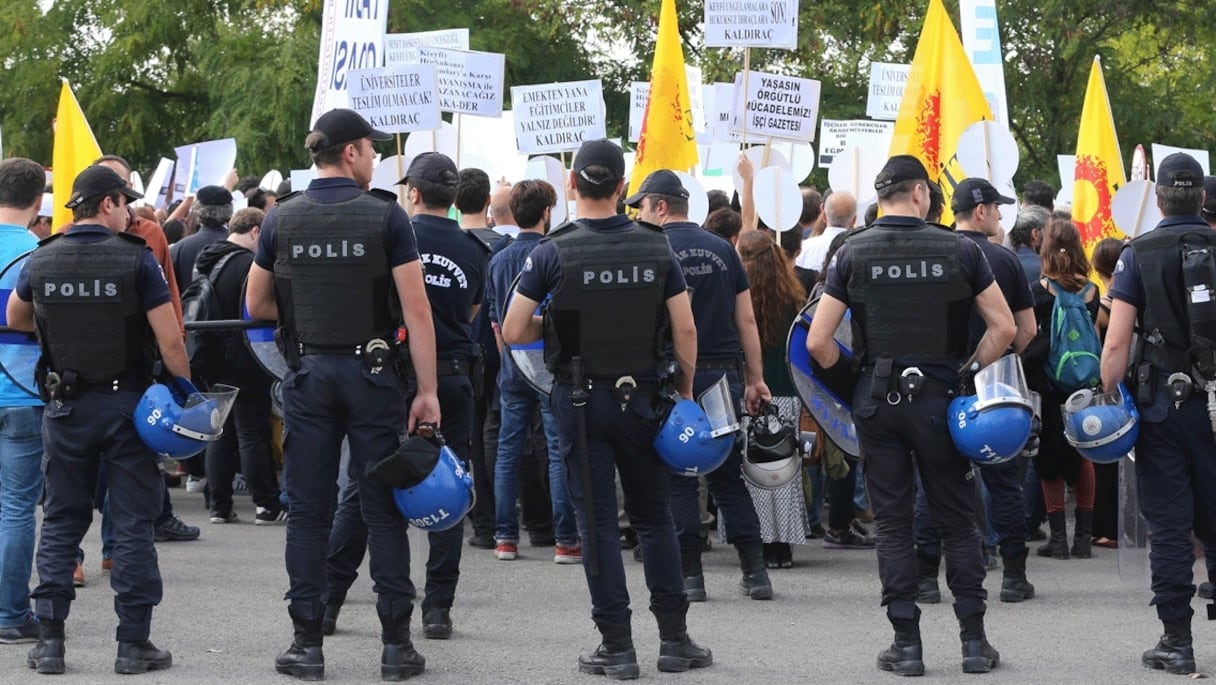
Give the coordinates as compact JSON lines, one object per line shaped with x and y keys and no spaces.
{"x":941,"y":99}
{"x":1099,"y":170}
{"x":74,"y":150}
{"x":667,"y":140}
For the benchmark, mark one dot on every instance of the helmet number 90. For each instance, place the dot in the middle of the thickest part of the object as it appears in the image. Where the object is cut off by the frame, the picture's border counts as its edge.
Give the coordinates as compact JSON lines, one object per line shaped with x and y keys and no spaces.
{"x":962,"y":419}
{"x":686,"y":434}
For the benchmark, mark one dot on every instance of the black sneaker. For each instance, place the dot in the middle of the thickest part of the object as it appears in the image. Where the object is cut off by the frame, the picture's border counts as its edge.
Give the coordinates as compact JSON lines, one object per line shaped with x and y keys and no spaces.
{"x":219,"y":516}
{"x":847,"y":539}
{"x":175,"y":530}
{"x":816,"y":533}
{"x":26,"y":632}
{"x":269,"y":517}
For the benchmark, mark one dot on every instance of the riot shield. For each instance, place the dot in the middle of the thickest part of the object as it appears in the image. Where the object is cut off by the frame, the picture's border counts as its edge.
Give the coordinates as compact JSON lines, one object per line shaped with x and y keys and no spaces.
{"x":529,"y":358}
{"x":833,"y":414}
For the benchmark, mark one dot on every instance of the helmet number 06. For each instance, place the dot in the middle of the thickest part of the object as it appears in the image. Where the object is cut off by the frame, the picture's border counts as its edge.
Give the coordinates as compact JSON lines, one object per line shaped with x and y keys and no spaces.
{"x":154,"y":416}
{"x":686,"y":434}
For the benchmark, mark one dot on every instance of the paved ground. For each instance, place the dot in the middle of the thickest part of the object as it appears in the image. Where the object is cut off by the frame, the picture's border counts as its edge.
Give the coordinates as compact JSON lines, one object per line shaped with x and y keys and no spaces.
{"x":525,"y":621}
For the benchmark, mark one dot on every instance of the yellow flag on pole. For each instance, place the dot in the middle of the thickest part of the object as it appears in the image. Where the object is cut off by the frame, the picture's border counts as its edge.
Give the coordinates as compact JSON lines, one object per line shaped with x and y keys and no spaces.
{"x":1099,"y":170}
{"x":667,"y":140}
{"x":74,"y":150}
{"x":941,"y":99}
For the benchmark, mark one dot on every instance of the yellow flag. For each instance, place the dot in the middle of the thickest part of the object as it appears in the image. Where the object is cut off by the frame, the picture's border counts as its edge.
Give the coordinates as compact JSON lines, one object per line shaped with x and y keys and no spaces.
{"x":1099,"y":171}
{"x":941,"y":99}
{"x":75,"y":149}
{"x":667,"y":140}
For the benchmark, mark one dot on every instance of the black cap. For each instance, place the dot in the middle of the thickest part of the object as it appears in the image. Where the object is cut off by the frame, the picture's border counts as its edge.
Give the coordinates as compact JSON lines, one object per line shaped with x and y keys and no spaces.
{"x":1179,"y":170}
{"x":898,"y":169}
{"x":338,"y":126}
{"x":661,"y":182}
{"x":213,"y":195}
{"x":435,"y":167}
{"x":973,"y":192}
{"x":96,"y":181}
{"x":601,"y":152}
{"x":1209,"y":187}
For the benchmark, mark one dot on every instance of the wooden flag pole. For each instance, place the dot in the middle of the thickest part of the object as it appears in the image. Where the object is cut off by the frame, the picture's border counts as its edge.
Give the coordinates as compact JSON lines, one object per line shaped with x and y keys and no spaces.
{"x":747,"y":70}
{"x":457,"y":117}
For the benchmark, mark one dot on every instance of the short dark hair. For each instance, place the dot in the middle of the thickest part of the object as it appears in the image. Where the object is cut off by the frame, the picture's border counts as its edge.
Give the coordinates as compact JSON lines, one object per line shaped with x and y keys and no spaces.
{"x":812,"y":202}
{"x":675,"y":205}
{"x":434,"y":195}
{"x":1180,"y":201}
{"x":256,"y":197}
{"x":595,"y":191}
{"x":725,"y":222}
{"x":529,"y":200}
{"x":1039,"y":194}
{"x":790,"y":242}
{"x":248,"y":183}
{"x":91,"y":206}
{"x":717,"y":200}
{"x":244,"y":220}
{"x":21,"y":183}
{"x":1106,"y":256}
{"x":897,"y":191}
{"x":937,"y":202}
{"x":327,"y":156}
{"x":472,"y":191}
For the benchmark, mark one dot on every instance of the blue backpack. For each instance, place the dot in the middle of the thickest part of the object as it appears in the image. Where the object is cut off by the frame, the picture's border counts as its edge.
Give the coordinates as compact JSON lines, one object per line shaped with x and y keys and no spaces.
{"x":1074,"y":358}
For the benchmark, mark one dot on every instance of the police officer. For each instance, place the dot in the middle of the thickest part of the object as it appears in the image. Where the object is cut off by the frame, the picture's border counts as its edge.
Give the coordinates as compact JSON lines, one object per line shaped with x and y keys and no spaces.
{"x":339,"y":269}
{"x":976,"y":206}
{"x":911,"y":287}
{"x":722,"y":309}
{"x":1172,"y":375}
{"x":96,"y":296}
{"x":613,"y":284}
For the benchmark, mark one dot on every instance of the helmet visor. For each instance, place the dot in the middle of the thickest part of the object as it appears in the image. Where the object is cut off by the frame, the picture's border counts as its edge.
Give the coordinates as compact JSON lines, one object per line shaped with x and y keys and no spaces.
{"x":719,"y":408}
{"x":204,"y":413}
{"x":1002,"y":383}
{"x":1095,"y":419}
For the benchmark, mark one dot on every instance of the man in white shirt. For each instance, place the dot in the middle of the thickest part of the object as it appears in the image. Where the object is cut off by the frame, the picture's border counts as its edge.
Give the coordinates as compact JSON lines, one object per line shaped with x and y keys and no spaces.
{"x":840,"y":214}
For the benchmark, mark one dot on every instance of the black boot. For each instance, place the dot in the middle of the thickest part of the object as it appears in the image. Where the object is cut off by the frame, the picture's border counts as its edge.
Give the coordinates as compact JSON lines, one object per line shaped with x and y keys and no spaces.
{"x":437,"y":623}
{"x":303,"y":659}
{"x":1082,"y":535}
{"x":615,"y":657}
{"x":47,"y":655}
{"x":1014,"y":586}
{"x":140,"y":657}
{"x":398,"y":659}
{"x":755,"y":583}
{"x":1057,"y":544}
{"x":904,"y":656}
{"x":1173,"y":653}
{"x":677,"y":651}
{"x":694,"y":579}
{"x":927,"y":591}
{"x":329,"y":622}
{"x":978,"y":655}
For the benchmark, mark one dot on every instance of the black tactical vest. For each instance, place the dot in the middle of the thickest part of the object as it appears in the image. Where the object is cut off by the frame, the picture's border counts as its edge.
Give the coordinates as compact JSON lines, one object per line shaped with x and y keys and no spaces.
{"x":909,"y":297}
{"x":1163,"y":320}
{"x":87,"y":308}
{"x":332,"y":280}
{"x":609,"y":307}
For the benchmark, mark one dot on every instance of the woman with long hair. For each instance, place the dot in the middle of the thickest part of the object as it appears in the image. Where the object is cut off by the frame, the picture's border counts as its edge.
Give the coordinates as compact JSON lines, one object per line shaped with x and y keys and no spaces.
{"x":777,"y":297}
{"x":1066,"y":267}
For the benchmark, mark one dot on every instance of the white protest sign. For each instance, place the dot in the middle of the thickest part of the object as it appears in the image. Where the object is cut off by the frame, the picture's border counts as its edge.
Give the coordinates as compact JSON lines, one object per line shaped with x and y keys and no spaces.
{"x":352,"y":37}
{"x":1160,"y":152}
{"x":887,"y":83}
{"x":778,"y":198}
{"x":1134,"y":208}
{"x":1067,"y":165}
{"x":801,"y":157}
{"x":1139,"y":170}
{"x":300,"y":178}
{"x":550,"y":170}
{"x":834,"y":136}
{"x":203,"y":164}
{"x":158,"y":183}
{"x":776,"y":106}
{"x":987,"y":150}
{"x":982,"y":43}
{"x":389,"y":171}
{"x":468,"y":82}
{"x":698,"y":201}
{"x":493,"y":140}
{"x":402,"y":48}
{"x":554,"y":117}
{"x":639,"y":91}
{"x":442,"y":140}
{"x":271,"y":180}
{"x":396,"y":99}
{"x":723,"y":101}
{"x":737,"y":24}
{"x":761,"y":157}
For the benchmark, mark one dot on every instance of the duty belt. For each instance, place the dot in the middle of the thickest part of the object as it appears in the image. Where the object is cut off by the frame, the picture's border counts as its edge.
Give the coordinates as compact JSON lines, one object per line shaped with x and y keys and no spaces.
{"x":623,"y":388}
{"x":341,"y":350}
{"x":718,"y":364}
{"x":895,"y":383}
{"x":453,"y":367}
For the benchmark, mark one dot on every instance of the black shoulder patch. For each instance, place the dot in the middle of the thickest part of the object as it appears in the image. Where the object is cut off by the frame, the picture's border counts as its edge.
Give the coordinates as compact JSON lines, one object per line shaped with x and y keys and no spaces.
{"x":132,"y":238}
{"x":480,"y":242}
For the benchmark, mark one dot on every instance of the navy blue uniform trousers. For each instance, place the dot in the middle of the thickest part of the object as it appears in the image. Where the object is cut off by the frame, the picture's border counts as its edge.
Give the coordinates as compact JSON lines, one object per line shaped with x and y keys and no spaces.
{"x":1176,"y":480}
{"x":349,"y":538}
{"x":78,"y":438}
{"x":329,"y":397}
{"x":621,"y":441}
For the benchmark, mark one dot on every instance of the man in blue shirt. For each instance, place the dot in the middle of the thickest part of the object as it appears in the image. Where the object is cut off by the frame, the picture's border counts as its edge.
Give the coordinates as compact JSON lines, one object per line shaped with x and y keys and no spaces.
{"x":21,"y":183}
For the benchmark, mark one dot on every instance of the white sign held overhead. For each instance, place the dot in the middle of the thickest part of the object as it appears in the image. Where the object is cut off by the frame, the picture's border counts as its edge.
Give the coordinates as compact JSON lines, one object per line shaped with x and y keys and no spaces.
{"x":352,"y":37}
{"x":203,"y":164}
{"x":301,"y":178}
{"x":887,"y":83}
{"x":835,"y":134}
{"x":158,"y":183}
{"x":555,"y":117}
{"x":987,"y":150}
{"x":982,"y":43}
{"x":396,"y":99}
{"x":720,"y":116}
{"x":778,"y":198}
{"x":1067,"y":166}
{"x":1160,"y":152}
{"x":1134,"y":208}
{"x":776,"y":106}
{"x":737,"y":24}
{"x":639,"y":91}
{"x":468,"y":82}
{"x":402,"y":48}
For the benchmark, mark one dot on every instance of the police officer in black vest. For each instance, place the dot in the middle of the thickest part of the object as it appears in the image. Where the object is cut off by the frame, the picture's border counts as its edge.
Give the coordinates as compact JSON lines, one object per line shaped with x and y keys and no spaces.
{"x":615,"y":284}
{"x":727,"y":345}
{"x":339,"y":269}
{"x":98,"y":299}
{"x":1162,"y":289}
{"x":911,"y":287}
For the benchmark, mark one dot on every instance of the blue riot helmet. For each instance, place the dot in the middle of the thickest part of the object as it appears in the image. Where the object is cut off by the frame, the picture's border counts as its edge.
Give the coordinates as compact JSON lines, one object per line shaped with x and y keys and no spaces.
{"x":1102,"y":426}
{"x":438,"y":498}
{"x":992,"y":426}
{"x":697,"y":436}
{"x":178,"y":429}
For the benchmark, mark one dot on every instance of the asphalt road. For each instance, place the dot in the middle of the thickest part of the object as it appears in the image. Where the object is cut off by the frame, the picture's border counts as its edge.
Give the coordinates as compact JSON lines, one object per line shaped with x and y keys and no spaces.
{"x":525,"y":621}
